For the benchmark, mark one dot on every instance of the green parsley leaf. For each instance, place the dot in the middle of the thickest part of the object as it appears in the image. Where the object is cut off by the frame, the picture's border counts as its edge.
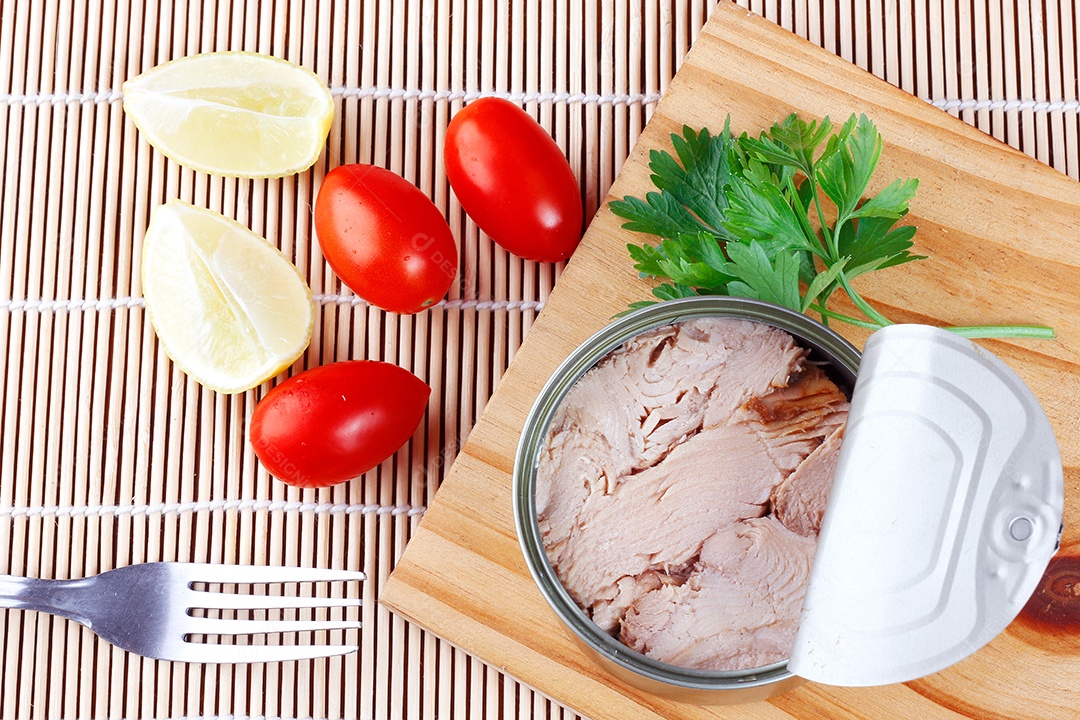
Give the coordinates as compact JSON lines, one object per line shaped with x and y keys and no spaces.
{"x":760,"y":211}
{"x":873,"y":242}
{"x":824,"y":282}
{"x":892,"y":202}
{"x":670,"y":291}
{"x":698,"y":178}
{"x":648,"y":260}
{"x":694,"y":260}
{"x":845,"y":174}
{"x":659,"y":214}
{"x":792,"y":142}
{"x":775,"y":280}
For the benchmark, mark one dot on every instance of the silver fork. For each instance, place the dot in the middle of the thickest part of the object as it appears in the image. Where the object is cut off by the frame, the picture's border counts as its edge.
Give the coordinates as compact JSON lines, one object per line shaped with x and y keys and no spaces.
{"x":153,"y":609}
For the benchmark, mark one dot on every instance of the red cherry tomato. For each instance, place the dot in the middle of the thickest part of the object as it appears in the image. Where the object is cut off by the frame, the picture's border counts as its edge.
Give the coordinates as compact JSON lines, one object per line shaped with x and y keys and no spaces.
{"x":513,"y":180}
{"x":337,"y":421}
{"x":384,"y":238}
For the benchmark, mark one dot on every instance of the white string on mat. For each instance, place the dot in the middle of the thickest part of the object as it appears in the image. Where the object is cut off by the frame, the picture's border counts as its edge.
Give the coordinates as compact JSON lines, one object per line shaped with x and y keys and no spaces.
{"x":127,"y":303}
{"x":1048,"y":106}
{"x":629,"y":99}
{"x":179,"y":508}
{"x":62,"y":98}
{"x":515,"y":97}
{"x":72,"y":305}
{"x":111,"y":96}
{"x":463,"y":304}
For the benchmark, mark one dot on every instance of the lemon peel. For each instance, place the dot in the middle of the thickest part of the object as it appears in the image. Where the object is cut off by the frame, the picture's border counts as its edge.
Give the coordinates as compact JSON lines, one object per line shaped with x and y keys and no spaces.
{"x":237,"y":114}
{"x":228,"y":307}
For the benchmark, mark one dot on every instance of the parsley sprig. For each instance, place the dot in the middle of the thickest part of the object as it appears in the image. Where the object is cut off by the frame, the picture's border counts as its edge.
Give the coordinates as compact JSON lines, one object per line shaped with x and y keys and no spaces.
{"x":780,"y":218}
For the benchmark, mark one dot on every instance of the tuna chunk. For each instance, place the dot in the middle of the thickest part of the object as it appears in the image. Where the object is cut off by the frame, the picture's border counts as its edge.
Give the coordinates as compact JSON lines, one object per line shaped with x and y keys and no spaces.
{"x":644,"y":398}
{"x":799,"y":501}
{"x":738,"y":609}
{"x":659,"y":518}
{"x":673,"y":444}
{"x":794,"y":420}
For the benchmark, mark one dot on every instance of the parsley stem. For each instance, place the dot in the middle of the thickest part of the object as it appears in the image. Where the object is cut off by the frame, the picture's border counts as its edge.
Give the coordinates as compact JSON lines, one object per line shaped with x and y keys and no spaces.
{"x":832,"y":248}
{"x":804,"y":220}
{"x":1037,"y":332}
{"x":972,"y":332}
{"x":826,"y":313}
{"x":864,"y":306}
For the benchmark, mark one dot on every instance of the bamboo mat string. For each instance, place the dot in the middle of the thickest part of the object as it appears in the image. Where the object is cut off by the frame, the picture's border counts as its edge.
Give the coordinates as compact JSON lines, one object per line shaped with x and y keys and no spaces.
{"x":232,"y":506}
{"x":960,"y":102}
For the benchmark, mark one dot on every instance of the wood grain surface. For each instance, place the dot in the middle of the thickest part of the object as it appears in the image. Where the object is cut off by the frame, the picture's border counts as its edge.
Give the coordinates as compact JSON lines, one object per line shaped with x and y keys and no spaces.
{"x":1003,"y":235}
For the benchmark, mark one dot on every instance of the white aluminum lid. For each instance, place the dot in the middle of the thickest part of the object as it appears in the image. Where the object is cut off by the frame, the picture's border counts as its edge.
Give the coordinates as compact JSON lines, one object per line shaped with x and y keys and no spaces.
{"x":945,"y":509}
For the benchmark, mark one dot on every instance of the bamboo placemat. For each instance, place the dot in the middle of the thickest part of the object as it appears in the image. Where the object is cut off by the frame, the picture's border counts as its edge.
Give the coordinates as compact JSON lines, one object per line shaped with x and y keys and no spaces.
{"x":109,"y":455}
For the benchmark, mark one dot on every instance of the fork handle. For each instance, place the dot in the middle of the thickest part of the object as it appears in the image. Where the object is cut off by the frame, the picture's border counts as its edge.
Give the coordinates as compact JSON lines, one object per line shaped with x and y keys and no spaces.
{"x":56,"y":597}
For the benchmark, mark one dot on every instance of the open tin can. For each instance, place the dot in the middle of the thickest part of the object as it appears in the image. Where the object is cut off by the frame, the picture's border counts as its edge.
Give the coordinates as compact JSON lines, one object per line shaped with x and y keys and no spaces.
{"x":945,"y":509}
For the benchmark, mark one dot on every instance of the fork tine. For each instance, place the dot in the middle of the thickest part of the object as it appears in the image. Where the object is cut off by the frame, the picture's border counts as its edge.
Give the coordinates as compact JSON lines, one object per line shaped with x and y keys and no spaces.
{"x":258,"y":575}
{"x":222,"y":626}
{"x":232,"y":601}
{"x":221,"y":654}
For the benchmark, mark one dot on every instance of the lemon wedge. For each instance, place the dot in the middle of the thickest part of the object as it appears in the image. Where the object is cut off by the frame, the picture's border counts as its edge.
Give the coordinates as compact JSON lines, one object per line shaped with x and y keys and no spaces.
{"x":228,"y":307}
{"x":238,"y":114}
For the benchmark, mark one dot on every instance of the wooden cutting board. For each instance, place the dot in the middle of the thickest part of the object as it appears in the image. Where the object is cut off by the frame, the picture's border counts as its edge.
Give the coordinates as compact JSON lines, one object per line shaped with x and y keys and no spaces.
{"x":1003,"y":235}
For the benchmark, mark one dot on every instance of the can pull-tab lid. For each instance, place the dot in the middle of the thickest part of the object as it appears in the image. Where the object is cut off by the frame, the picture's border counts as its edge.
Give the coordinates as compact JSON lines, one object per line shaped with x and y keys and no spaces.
{"x":945,"y":510}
